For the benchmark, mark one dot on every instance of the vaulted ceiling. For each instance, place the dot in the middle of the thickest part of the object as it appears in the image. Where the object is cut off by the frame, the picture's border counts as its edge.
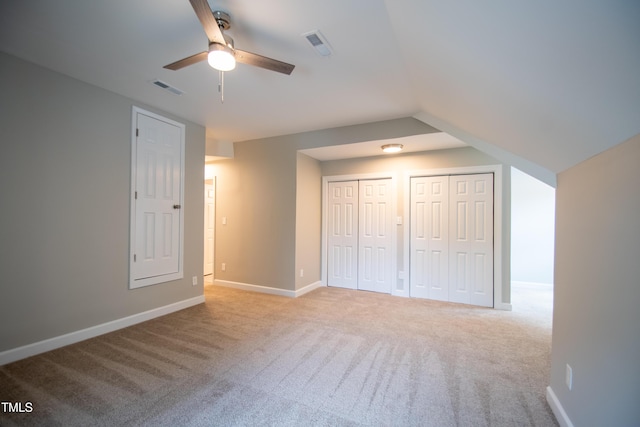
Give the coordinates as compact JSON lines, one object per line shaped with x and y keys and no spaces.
{"x":545,"y":83}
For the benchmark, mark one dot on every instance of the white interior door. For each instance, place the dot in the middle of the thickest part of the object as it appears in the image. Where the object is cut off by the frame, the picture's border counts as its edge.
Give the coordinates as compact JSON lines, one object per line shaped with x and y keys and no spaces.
{"x":429,"y":262}
{"x":360,"y":235}
{"x":375,"y":261}
{"x":157,"y":209}
{"x":342,"y":239}
{"x":471,"y":239}
{"x":451,"y":236}
{"x":209,"y":224}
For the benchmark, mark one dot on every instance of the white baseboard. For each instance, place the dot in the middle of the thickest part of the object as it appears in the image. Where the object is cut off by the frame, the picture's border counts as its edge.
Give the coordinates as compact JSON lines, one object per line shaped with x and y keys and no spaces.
{"x":519,"y":282}
{"x":308,"y":288}
{"x":506,"y":306}
{"x":558,"y":410}
{"x":268,"y":289}
{"x":29,"y":350}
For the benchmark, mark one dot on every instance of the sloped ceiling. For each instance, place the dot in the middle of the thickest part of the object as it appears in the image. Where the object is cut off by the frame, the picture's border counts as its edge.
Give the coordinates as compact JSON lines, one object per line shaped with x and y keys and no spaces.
{"x":547,"y":84}
{"x":553,"y":82}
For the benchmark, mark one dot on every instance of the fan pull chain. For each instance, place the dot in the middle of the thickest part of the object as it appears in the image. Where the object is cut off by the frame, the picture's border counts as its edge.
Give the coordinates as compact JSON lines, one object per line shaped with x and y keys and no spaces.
{"x":221,"y":86}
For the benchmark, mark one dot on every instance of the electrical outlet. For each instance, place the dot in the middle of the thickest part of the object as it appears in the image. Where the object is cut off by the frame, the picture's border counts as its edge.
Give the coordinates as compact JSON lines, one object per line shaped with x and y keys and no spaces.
{"x":568,"y":378}
{"x":224,"y":267}
{"x":301,"y":272}
{"x":194,"y":280}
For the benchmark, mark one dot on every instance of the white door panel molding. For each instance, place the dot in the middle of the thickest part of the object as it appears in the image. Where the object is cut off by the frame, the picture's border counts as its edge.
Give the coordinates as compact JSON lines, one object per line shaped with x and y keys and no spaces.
{"x":157,"y":199}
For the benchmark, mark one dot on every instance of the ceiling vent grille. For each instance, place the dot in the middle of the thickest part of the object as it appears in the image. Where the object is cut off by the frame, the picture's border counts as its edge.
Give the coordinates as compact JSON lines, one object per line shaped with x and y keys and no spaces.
{"x":318,"y":42}
{"x":166,"y":86}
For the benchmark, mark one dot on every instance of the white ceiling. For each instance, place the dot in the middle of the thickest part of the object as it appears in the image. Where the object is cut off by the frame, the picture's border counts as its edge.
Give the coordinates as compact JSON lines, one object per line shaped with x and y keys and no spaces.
{"x":549,"y":82}
{"x":410,"y":144}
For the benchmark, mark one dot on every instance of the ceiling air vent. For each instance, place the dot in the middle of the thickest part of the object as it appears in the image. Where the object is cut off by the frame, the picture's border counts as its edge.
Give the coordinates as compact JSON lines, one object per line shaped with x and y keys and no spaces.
{"x":166,"y":86}
{"x":318,"y":43}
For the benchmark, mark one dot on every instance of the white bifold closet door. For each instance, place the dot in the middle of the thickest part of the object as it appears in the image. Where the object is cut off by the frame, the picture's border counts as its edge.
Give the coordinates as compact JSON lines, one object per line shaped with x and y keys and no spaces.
{"x":342,"y":236}
{"x":430,"y":238}
{"x":452,"y":238}
{"x":360,"y":239}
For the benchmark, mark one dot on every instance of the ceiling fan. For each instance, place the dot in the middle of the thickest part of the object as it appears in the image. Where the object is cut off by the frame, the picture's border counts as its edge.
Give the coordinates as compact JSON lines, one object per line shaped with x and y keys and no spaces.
{"x":222,"y":54}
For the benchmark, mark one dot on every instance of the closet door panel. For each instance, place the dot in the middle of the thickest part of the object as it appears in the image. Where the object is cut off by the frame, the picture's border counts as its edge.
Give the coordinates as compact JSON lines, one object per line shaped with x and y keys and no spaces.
{"x":376,"y":236}
{"x":451,"y":238}
{"x":471,"y":239}
{"x":342,"y":239}
{"x":429,"y":246}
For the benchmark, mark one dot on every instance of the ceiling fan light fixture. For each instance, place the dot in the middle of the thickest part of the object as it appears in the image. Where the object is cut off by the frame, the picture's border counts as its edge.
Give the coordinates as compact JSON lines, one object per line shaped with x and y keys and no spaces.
{"x":392,"y":148}
{"x":222,"y":54}
{"x":221,"y":57}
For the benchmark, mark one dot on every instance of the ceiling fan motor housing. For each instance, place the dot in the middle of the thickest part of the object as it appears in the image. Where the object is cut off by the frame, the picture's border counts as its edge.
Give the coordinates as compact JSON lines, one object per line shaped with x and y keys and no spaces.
{"x":223,"y":19}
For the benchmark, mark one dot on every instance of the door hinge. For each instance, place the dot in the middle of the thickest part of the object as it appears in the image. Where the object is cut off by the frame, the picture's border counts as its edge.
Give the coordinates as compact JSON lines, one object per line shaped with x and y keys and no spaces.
{"x":136,"y":196}
{"x":134,"y":257}
{"x":137,"y":132}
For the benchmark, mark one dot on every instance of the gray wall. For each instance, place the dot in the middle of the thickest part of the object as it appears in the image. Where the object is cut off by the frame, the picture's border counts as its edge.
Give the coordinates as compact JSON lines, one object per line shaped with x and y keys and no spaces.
{"x":596,"y":323}
{"x":308,"y":220}
{"x":256,"y":193}
{"x":64,"y":231}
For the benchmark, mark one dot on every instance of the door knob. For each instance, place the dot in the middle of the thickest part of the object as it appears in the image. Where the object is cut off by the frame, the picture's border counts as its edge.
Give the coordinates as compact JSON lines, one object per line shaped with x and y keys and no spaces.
{"x":176,"y":206}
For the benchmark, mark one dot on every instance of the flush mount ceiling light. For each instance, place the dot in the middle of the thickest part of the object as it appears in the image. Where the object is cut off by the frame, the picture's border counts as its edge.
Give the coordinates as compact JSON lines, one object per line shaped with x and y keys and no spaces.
{"x":392,"y":148}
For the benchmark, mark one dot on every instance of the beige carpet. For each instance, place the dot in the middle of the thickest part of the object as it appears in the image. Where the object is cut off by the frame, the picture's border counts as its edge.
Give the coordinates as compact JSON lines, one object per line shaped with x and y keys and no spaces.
{"x":333,"y":357}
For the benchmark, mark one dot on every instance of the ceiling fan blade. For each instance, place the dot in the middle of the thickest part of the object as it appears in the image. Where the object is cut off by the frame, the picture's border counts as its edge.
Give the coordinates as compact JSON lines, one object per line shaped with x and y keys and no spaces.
{"x":203,"y":11}
{"x":193,"y":59}
{"x":256,"y":60}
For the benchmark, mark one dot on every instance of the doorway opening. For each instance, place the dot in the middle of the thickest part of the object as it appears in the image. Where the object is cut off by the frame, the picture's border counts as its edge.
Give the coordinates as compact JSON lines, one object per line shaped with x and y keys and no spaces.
{"x":209,"y":224}
{"x":532,"y":244}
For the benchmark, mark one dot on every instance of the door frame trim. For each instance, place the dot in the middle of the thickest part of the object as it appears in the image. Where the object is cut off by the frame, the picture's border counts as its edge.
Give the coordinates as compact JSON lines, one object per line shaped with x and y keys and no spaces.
{"x":213,"y":250}
{"x":325,"y":215}
{"x":497,"y":171}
